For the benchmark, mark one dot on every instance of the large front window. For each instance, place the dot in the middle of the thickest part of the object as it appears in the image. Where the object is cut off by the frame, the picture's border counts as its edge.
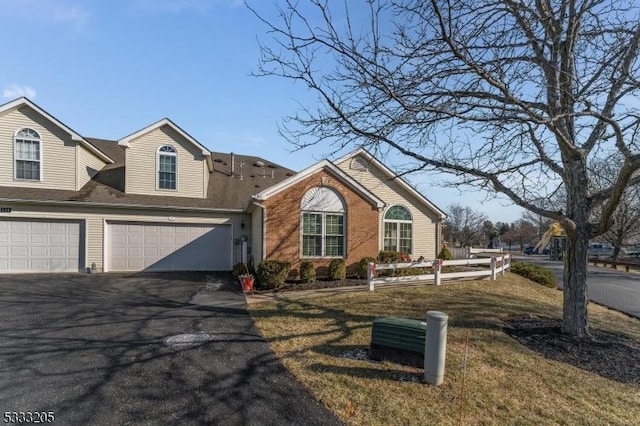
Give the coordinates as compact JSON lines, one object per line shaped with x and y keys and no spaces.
{"x":323,"y":224}
{"x":167,"y":158}
{"x":398,"y":230}
{"x":27,"y":155}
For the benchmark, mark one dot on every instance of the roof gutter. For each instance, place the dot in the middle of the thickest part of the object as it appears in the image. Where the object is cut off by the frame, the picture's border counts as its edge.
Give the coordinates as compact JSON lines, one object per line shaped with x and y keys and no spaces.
{"x":128,"y":206}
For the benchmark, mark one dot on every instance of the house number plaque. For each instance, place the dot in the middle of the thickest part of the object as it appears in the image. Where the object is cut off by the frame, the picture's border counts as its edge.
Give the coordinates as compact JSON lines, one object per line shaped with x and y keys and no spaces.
{"x":5,"y":209}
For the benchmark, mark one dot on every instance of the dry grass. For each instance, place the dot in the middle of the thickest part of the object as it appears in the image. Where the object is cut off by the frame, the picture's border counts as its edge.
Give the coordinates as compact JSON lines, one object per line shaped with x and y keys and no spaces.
{"x":506,"y":382}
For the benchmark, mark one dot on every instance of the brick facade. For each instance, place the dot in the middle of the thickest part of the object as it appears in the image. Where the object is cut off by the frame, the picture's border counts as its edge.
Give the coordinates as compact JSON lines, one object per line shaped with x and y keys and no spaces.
{"x":283,"y":222}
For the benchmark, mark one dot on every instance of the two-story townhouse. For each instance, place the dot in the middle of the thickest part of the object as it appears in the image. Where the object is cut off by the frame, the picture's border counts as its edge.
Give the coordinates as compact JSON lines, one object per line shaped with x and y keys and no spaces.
{"x":159,"y":200}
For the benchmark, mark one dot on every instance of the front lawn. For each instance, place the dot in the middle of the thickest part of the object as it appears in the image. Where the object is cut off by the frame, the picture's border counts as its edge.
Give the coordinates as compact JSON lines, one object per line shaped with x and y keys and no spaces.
{"x":508,"y":381}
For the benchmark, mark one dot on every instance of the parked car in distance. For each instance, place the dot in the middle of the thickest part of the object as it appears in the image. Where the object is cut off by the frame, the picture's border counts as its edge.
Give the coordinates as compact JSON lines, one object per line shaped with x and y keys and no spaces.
{"x":600,"y":250}
{"x":632,"y":251}
{"x":528,"y":250}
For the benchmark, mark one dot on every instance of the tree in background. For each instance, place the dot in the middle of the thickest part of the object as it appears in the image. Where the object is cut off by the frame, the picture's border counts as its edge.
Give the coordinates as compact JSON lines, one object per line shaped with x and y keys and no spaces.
{"x":513,"y":96}
{"x":464,"y":226}
{"x":490,"y":234}
{"x":539,"y":222}
{"x":524,"y":233}
{"x":626,"y":223}
{"x":625,"y":228}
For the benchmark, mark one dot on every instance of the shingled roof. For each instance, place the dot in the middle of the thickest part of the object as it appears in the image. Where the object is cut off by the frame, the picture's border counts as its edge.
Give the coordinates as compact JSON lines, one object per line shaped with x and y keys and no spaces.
{"x":226,"y":191}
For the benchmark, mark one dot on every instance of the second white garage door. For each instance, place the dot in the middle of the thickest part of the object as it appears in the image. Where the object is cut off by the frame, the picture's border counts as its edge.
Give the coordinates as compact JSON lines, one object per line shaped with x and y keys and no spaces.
{"x":169,"y":247}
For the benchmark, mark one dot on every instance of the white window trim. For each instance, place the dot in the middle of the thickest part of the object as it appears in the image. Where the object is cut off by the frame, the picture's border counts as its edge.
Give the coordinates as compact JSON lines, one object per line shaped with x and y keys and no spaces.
{"x":15,"y":154}
{"x":398,"y":221}
{"x":323,"y":235}
{"x":175,"y":154}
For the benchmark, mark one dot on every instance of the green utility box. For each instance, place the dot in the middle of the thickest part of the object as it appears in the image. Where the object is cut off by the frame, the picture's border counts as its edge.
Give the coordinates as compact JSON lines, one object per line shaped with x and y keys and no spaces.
{"x":399,"y":340}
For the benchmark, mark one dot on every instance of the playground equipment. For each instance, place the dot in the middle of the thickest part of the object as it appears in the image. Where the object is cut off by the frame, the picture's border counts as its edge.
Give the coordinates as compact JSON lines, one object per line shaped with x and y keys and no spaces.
{"x":557,"y":241}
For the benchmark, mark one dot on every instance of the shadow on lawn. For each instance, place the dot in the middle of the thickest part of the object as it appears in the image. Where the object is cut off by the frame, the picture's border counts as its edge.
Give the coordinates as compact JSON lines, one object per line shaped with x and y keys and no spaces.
{"x":611,"y":356}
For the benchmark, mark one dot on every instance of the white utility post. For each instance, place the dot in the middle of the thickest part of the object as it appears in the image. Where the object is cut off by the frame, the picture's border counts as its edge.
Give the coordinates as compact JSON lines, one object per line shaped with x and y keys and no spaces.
{"x":435,"y":347}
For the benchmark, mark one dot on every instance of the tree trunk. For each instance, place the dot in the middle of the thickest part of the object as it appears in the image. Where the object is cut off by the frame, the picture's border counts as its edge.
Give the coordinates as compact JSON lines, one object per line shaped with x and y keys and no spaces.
{"x":574,"y":318}
{"x":616,"y":252}
{"x":574,"y":310}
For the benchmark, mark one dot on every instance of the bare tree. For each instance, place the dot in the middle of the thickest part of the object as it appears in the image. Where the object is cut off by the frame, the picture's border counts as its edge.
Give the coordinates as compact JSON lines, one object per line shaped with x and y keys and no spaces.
{"x":539,"y":222}
{"x":464,"y":226}
{"x":515,"y":96}
{"x":523,"y":232}
{"x":625,"y":228}
{"x":626,"y":222}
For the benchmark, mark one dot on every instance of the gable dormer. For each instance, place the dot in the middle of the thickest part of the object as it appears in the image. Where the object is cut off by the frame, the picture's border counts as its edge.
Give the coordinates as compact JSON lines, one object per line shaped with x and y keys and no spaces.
{"x":162,"y":159}
{"x":39,"y":151}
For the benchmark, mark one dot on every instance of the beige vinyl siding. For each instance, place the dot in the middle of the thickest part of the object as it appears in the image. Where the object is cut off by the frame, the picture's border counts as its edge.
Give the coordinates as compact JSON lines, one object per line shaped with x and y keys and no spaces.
{"x":57,"y":151}
{"x":141,"y":165}
{"x":256,"y":235}
{"x":425,"y":221}
{"x":96,"y":217}
{"x":95,"y":235}
{"x":206,"y":175}
{"x":88,"y":166}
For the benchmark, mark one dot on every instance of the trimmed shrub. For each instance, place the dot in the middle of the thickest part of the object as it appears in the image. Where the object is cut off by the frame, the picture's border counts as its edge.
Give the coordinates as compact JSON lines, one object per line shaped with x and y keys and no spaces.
{"x":363,"y":266}
{"x":273,"y":273}
{"x":307,"y":272}
{"x":389,"y":257}
{"x":240,"y":269}
{"x":337,"y":269}
{"x":535,"y":273}
{"x":445,"y":254}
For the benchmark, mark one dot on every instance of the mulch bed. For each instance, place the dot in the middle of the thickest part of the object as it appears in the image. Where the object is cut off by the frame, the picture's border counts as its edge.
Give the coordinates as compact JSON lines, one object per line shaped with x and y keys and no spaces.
{"x":297,"y":285}
{"x":610,"y":355}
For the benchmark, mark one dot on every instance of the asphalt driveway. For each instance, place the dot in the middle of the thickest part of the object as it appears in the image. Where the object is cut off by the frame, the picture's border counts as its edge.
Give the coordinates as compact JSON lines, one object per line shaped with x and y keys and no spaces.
{"x":110,"y":349}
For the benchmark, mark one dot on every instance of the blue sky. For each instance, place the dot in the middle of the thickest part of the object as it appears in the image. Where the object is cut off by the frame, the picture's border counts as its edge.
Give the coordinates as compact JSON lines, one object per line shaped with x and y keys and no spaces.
{"x":109,"y":68}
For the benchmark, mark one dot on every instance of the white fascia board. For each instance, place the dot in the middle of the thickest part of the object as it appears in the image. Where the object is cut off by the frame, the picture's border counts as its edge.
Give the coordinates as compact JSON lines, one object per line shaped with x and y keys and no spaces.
{"x":120,"y":205}
{"x":324,"y":164}
{"x":17,"y":103}
{"x":393,"y":176}
{"x":164,"y":122}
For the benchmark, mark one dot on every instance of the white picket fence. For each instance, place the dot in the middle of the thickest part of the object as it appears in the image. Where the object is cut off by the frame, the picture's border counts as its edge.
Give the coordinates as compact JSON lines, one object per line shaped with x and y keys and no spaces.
{"x":498,"y":264}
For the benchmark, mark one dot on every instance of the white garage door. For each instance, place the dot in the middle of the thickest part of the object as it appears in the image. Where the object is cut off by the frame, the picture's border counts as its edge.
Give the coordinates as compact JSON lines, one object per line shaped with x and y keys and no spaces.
{"x":40,"y":246}
{"x":169,"y":247}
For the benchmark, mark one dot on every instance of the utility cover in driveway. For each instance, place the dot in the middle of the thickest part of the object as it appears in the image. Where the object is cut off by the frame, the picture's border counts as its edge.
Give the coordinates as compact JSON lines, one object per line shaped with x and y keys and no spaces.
{"x":40,"y":246}
{"x":169,"y":247}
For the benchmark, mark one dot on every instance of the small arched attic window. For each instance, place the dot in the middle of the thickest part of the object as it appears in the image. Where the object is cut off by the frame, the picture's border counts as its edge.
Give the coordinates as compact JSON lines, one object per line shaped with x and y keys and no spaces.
{"x":359,"y":164}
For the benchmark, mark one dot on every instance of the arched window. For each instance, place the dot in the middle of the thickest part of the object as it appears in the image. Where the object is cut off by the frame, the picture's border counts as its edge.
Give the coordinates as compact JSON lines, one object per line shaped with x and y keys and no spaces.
{"x":28,"y":163}
{"x":167,"y":169}
{"x":323,"y":224}
{"x":398,"y":232}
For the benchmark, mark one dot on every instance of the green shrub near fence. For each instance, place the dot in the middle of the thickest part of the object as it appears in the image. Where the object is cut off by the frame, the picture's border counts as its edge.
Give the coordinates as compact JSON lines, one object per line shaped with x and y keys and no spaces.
{"x":535,"y":273}
{"x":337,"y":270}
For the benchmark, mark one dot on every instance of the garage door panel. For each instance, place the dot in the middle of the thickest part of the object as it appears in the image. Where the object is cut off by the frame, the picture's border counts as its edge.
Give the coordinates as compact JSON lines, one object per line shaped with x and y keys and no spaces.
{"x":19,"y":237}
{"x":169,"y":247}
{"x":19,"y":251}
{"x":41,"y":238}
{"x":38,"y":252}
{"x":40,"y":245}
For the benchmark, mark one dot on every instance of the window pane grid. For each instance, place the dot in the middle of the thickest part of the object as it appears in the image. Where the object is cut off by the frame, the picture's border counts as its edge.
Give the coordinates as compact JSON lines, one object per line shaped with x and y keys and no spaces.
{"x":27,"y":170}
{"x":167,"y":171}
{"x":398,"y":234}
{"x":322,"y":235}
{"x":27,"y":152}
